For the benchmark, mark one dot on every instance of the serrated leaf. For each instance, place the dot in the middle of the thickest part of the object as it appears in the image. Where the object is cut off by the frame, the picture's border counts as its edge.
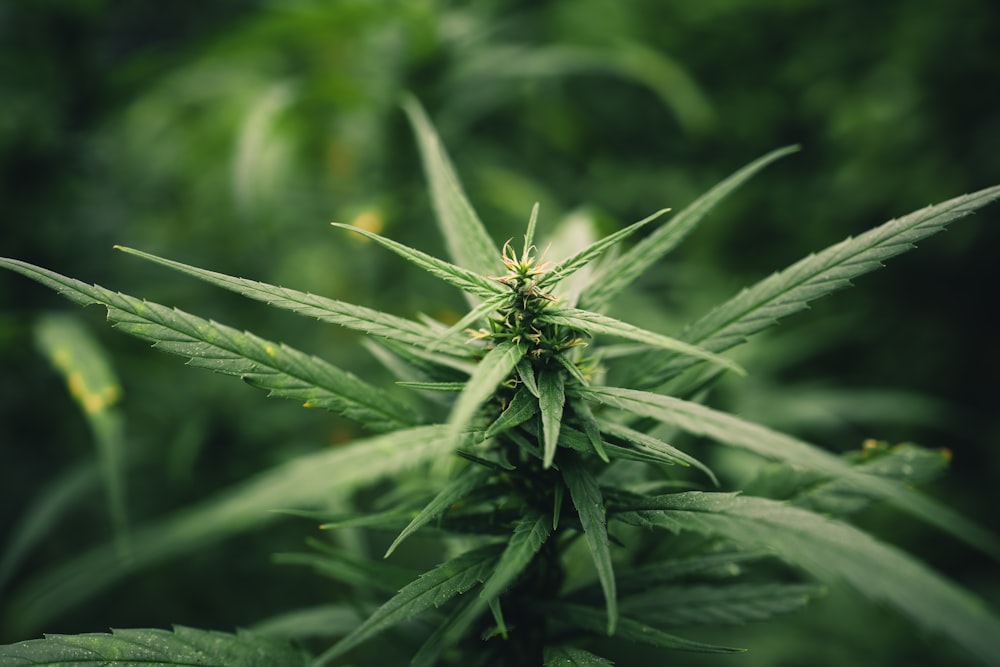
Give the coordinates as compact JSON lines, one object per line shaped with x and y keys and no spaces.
{"x":591,"y":428}
{"x":589,"y":503}
{"x":530,"y":533}
{"x":431,"y":589}
{"x":184,"y":646}
{"x":642,"y":578}
{"x":338,"y":565}
{"x":521,"y":408}
{"x":733,"y":604}
{"x":308,"y":481}
{"x":595,"y":323}
{"x":571,"y":265}
{"x":589,"y":618}
{"x":833,"y":550}
{"x":619,"y":274}
{"x":465,"y":280}
{"x":733,"y":431}
{"x":551,"y":400}
{"x":454,"y":491}
{"x":347,"y":315}
{"x":492,"y":370}
{"x":570,"y":656}
{"x":468,"y":242}
{"x":656,"y":447}
{"x":284,"y":371}
{"x":786,"y":292}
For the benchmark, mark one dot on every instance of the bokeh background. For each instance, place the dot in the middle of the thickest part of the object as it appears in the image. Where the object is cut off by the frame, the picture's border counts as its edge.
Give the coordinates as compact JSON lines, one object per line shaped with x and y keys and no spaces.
{"x":228,"y":134}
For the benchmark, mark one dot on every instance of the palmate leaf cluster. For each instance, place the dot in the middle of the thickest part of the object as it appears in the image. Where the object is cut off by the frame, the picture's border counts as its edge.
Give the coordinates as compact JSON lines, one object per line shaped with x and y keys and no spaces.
{"x":554,"y":496}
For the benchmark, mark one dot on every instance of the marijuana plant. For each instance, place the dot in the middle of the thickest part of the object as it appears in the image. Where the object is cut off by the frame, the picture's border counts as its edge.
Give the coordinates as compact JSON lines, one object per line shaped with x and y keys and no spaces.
{"x":562,"y":517}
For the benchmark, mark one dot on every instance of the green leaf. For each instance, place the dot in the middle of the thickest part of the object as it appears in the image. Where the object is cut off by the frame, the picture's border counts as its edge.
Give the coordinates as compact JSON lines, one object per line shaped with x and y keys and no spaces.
{"x":492,"y":370}
{"x":344,"y":314}
{"x":629,"y":629}
{"x":431,"y":589}
{"x":591,"y":428}
{"x":570,"y":656}
{"x":656,"y":447}
{"x":41,"y":515}
{"x":521,"y":408}
{"x":339,"y":565}
{"x":468,"y":242}
{"x":328,"y":620}
{"x":310,"y":480}
{"x":92,"y":384}
{"x":571,"y":265}
{"x":595,"y":323}
{"x":467,"y":480}
{"x":284,"y":371}
{"x":638,"y":579}
{"x":589,"y":503}
{"x":733,"y":604}
{"x":550,"y":403}
{"x":185,"y":647}
{"x":530,"y":533}
{"x":733,"y":431}
{"x":465,"y":280}
{"x":832,"y":550}
{"x":619,"y":274}
{"x":786,"y":292}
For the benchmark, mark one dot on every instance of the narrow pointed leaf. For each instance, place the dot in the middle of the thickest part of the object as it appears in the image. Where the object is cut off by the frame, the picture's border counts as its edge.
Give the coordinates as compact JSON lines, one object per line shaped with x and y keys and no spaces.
{"x":308,"y":481}
{"x":573,"y":264}
{"x":92,"y":384}
{"x":529,"y":235}
{"x":284,"y":371}
{"x":570,"y":656}
{"x":733,"y":604}
{"x":787,"y":292}
{"x":494,"y":368}
{"x":529,"y":535}
{"x":465,"y":280}
{"x":521,"y":408}
{"x":550,"y":403}
{"x":648,"y":444}
{"x":183,"y":647}
{"x":526,"y":373}
{"x":642,"y":578}
{"x":589,"y":503}
{"x":619,"y":274}
{"x":344,"y":314}
{"x":595,"y":323}
{"x":468,"y":242}
{"x":591,"y":428}
{"x":629,"y":629}
{"x":733,"y":431}
{"x":458,"y":488}
{"x":431,"y":589}
{"x":835,"y":550}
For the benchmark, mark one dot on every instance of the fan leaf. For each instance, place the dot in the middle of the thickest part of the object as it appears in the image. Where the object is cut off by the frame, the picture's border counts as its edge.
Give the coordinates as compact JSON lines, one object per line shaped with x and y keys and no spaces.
{"x":832,"y":550}
{"x":284,"y":371}
{"x":184,"y":647}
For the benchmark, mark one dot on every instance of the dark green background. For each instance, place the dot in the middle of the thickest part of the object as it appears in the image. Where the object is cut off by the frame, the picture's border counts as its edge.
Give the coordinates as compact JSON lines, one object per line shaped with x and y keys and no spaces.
{"x":227,"y":134}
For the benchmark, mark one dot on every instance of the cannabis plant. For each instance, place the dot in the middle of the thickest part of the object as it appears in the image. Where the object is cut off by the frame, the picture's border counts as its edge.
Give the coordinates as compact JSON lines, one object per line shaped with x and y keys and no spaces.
{"x":532,"y":451}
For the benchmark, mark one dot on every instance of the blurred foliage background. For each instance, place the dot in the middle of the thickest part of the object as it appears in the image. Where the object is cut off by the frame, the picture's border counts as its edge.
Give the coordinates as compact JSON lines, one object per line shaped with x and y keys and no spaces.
{"x":228,"y":134}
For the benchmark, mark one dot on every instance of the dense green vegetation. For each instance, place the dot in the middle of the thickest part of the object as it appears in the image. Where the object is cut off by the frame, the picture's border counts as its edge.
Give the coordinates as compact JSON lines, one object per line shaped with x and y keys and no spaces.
{"x":229,"y":140}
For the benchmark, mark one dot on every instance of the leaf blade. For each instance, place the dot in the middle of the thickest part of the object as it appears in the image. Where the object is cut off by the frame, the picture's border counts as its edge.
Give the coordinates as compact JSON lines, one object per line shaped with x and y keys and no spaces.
{"x":616,"y":276}
{"x":143,"y":648}
{"x":282,"y":370}
{"x":469,"y":244}
{"x":832,"y":549}
{"x":589,"y":503}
